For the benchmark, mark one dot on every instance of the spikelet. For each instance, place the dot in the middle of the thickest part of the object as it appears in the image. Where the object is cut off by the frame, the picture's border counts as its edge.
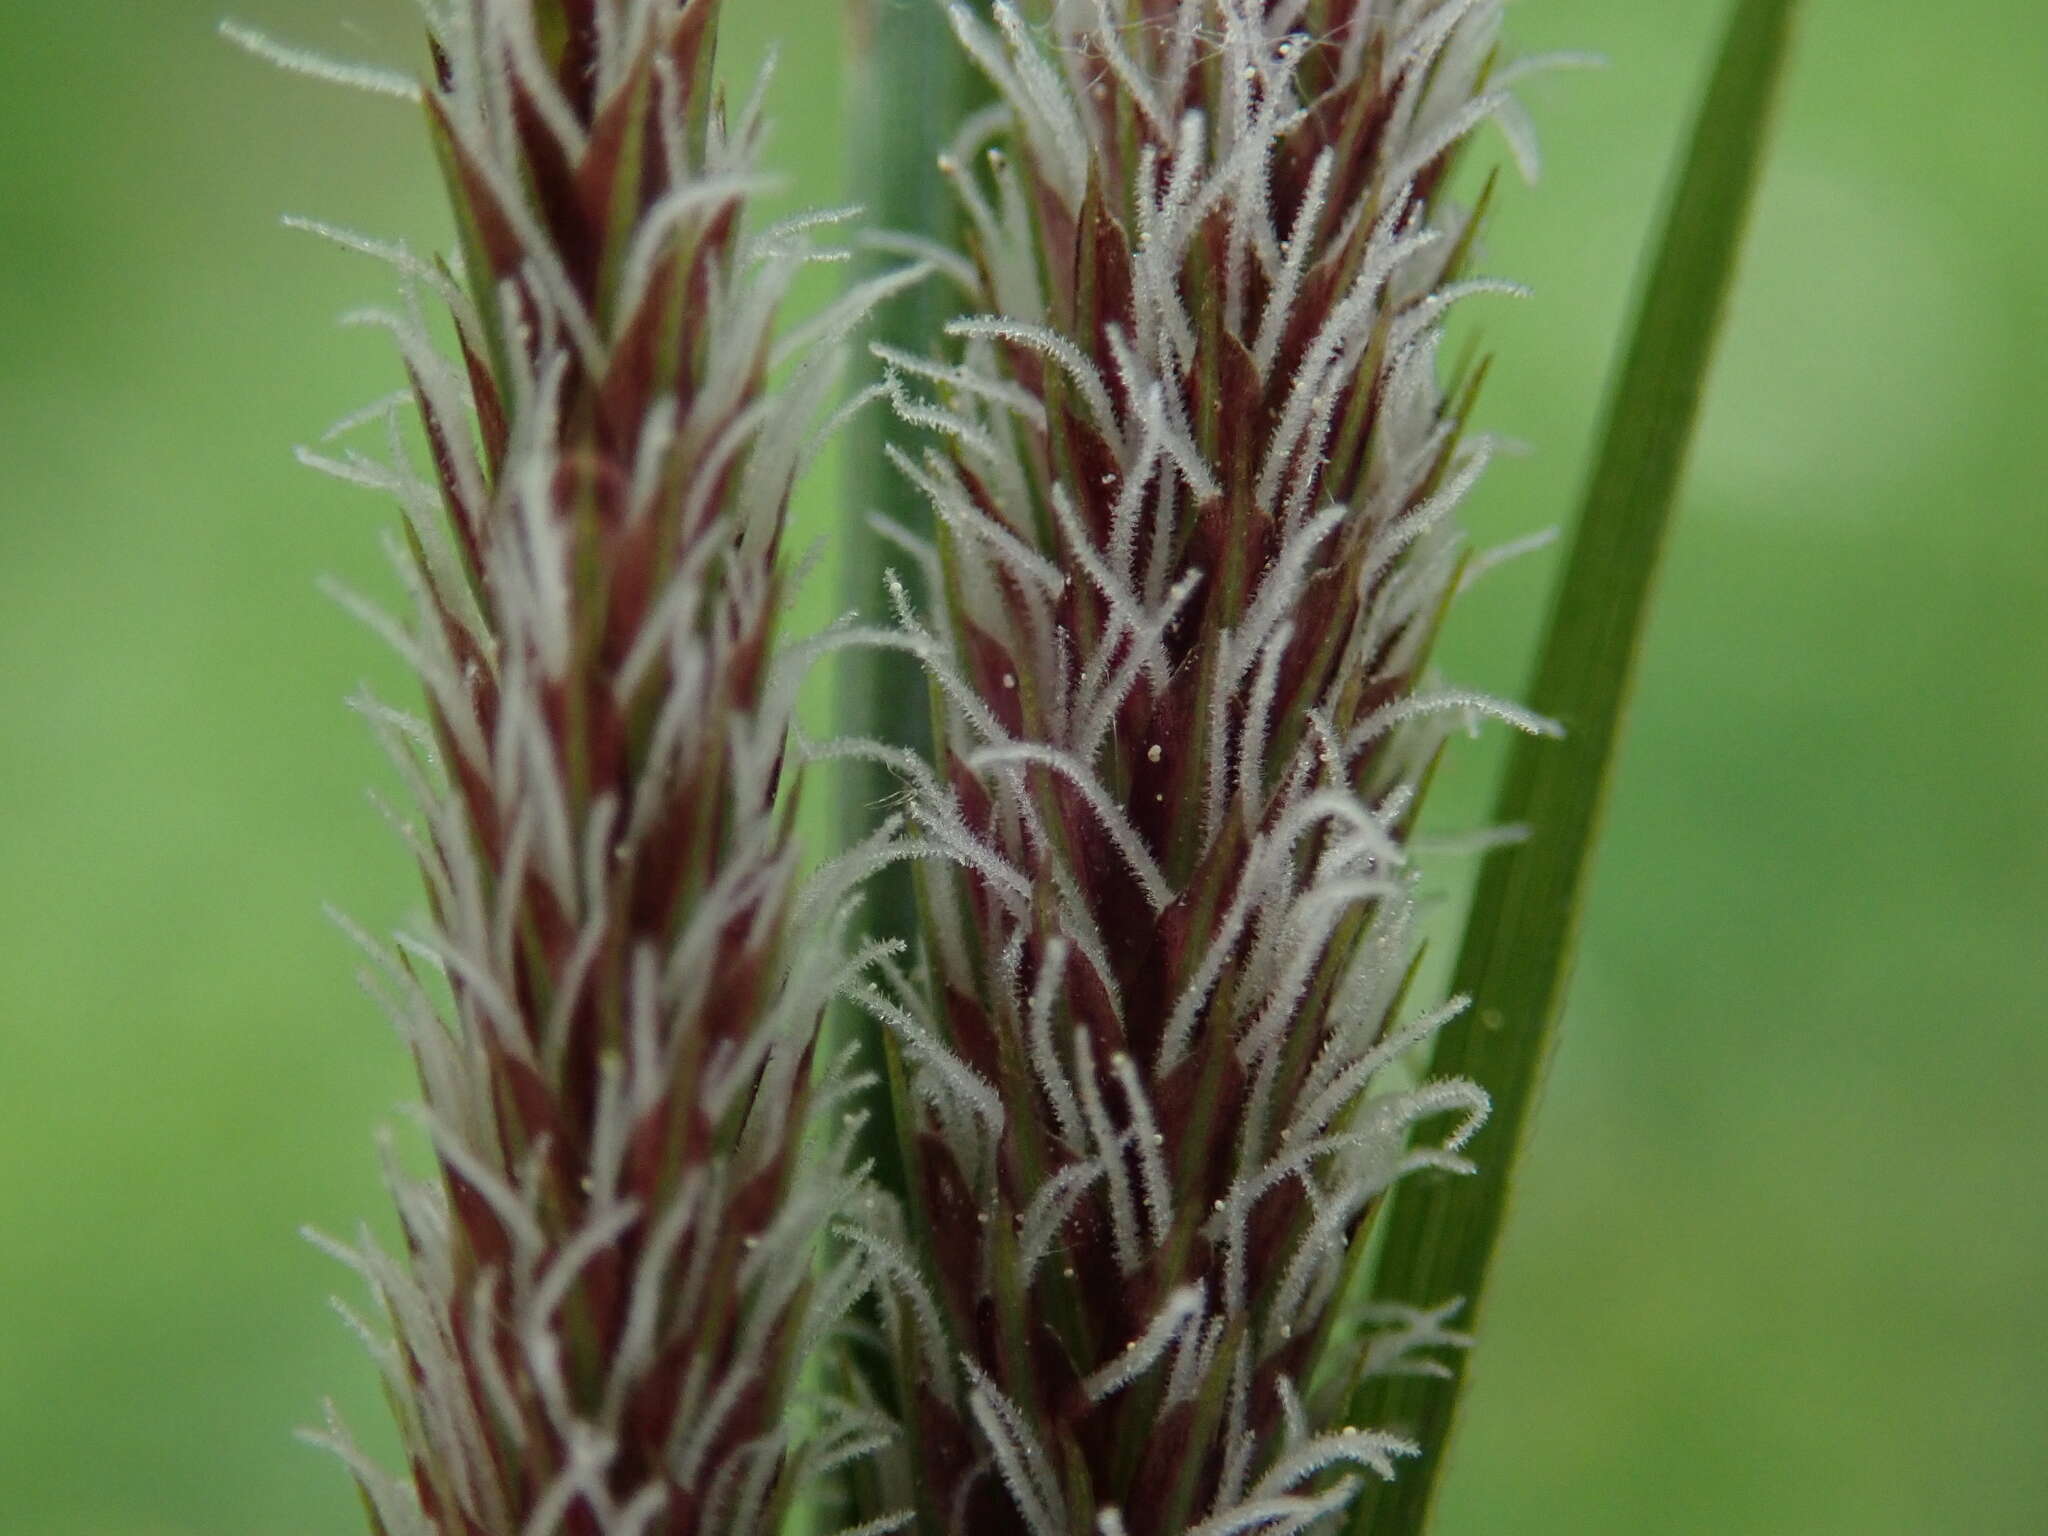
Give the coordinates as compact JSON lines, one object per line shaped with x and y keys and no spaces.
{"x":1194,"y":473}
{"x":611,"y":1283}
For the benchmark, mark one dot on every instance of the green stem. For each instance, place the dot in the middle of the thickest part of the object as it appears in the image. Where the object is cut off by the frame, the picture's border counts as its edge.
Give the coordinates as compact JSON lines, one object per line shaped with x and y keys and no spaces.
{"x":909,"y":89}
{"x":1521,"y":935}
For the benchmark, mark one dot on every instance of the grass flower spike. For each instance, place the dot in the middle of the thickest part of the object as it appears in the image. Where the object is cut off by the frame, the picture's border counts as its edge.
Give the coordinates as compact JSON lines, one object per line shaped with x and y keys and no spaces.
{"x":1195,"y":472}
{"x":609,"y":1286}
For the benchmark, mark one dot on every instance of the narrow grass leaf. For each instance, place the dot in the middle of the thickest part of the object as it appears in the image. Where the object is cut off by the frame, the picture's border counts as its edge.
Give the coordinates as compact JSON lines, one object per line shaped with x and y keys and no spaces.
{"x":1521,"y":934}
{"x":895,"y":132}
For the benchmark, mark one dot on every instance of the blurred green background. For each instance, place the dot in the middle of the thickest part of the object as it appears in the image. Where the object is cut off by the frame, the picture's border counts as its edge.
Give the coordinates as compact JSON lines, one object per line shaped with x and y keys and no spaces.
{"x":1780,"y":1257}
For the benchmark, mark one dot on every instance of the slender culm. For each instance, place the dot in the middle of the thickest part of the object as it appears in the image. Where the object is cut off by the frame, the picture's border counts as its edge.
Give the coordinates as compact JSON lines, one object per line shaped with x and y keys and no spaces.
{"x":611,"y":1279}
{"x":1195,"y":479}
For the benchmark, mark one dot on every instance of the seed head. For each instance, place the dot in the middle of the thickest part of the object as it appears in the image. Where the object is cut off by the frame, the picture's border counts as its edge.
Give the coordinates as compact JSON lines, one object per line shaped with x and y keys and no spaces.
{"x":1195,"y":532}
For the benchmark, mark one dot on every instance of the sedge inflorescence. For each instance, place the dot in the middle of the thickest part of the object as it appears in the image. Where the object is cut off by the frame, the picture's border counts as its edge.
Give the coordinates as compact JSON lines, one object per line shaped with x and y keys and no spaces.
{"x":1193,"y":465}
{"x":1194,"y":479}
{"x":608,"y":1291}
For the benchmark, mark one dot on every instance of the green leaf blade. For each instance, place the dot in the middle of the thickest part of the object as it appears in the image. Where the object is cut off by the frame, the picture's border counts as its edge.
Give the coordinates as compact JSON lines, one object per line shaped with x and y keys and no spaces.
{"x":910,"y":86}
{"x":1521,"y":935}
